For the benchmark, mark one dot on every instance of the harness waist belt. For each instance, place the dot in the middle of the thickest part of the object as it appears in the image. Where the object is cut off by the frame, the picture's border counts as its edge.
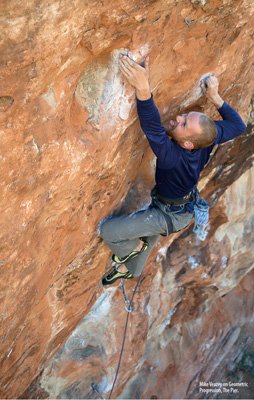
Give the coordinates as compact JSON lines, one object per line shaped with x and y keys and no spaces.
{"x":176,"y":202}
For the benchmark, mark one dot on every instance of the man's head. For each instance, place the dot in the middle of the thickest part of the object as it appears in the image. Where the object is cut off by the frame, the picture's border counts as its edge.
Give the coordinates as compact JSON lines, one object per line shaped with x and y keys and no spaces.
{"x":194,"y":130}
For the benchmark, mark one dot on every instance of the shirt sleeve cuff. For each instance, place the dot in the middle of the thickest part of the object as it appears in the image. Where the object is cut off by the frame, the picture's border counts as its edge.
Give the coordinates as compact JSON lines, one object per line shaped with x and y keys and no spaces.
{"x":224,"y":105}
{"x":145,"y":101}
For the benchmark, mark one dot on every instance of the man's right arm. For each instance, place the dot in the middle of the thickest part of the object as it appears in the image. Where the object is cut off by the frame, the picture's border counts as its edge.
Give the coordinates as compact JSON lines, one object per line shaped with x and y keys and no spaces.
{"x":166,"y":151}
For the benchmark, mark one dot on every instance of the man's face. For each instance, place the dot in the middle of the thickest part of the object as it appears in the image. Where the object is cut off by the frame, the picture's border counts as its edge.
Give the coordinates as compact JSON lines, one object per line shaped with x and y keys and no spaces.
{"x":185,"y":127}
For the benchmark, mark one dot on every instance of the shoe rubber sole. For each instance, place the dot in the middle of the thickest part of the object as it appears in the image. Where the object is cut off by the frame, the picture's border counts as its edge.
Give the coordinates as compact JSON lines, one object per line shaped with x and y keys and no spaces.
{"x":113,"y":275}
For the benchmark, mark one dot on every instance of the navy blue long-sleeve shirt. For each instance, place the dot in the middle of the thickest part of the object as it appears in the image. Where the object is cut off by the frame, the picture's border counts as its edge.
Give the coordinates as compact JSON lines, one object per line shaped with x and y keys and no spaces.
{"x":178,"y":169}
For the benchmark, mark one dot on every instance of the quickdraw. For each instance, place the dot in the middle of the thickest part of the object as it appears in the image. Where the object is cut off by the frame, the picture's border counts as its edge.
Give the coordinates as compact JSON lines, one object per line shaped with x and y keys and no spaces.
{"x":128,"y":305}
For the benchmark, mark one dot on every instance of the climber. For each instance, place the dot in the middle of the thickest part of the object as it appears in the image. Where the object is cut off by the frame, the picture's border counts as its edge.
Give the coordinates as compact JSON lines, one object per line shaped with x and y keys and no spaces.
{"x":182,"y":151}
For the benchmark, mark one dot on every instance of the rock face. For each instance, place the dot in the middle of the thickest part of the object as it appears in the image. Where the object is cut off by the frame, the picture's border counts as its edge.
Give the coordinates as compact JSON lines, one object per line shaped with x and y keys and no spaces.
{"x":72,"y":153}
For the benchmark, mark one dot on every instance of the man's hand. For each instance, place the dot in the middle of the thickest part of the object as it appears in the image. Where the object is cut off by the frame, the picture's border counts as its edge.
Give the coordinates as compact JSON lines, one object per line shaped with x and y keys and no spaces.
{"x":210,"y":86}
{"x":137,"y":76}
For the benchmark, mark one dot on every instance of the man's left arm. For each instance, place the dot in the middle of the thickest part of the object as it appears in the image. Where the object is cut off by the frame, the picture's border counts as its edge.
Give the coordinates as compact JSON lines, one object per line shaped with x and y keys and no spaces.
{"x":232,"y":124}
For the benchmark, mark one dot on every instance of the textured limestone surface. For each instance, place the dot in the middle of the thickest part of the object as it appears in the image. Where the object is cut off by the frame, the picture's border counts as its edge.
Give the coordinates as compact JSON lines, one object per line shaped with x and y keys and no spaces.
{"x":192,"y":322}
{"x":72,"y":152}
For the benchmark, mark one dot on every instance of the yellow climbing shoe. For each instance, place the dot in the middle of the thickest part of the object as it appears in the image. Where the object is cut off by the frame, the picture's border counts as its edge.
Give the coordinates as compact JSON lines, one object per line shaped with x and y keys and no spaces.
{"x":113,"y":275}
{"x":132,"y":254}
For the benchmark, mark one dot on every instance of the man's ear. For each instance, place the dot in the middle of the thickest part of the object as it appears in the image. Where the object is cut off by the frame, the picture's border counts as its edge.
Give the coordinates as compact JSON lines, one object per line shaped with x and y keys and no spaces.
{"x":188,"y":145}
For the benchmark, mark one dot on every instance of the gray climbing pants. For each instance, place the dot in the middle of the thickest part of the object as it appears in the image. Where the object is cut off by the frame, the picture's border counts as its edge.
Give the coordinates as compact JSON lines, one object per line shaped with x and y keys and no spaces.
{"x":122,"y":233}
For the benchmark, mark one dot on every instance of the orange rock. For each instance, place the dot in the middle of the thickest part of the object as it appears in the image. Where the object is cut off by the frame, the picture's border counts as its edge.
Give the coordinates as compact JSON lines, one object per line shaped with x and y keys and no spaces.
{"x":71,"y":151}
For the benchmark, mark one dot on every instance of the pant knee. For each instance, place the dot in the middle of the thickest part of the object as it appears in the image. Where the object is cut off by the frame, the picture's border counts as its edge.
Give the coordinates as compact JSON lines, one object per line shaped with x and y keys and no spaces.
{"x":136,"y":275}
{"x":105,"y":231}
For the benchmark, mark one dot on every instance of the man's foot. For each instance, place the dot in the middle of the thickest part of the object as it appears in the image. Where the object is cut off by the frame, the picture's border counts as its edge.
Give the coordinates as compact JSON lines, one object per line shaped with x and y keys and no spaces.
{"x":113,"y":275}
{"x":139,"y":249}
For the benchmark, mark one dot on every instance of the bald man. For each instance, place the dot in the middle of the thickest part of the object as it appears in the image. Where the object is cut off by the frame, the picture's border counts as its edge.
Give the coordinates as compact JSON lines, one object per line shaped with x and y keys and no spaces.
{"x":182,"y":151}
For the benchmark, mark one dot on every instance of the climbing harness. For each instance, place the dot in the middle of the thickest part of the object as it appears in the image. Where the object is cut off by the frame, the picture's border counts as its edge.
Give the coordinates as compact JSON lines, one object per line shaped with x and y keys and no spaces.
{"x":193,"y":203}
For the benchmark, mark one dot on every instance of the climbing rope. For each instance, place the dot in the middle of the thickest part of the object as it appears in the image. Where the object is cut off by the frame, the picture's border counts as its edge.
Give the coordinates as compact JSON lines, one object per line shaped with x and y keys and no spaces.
{"x":129,"y":309}
{"x":125,"y":330}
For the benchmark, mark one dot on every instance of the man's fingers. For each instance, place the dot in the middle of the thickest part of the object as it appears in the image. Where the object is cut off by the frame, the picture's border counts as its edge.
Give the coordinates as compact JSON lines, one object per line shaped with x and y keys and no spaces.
{"x":130,"y":64}
{"x":125,"y":66}
{"x":214,"y":80}
{"x":208,"y":82}
{"x":125,"y":71}
{"x":202,"y":85}
{"x":147,"y":63}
